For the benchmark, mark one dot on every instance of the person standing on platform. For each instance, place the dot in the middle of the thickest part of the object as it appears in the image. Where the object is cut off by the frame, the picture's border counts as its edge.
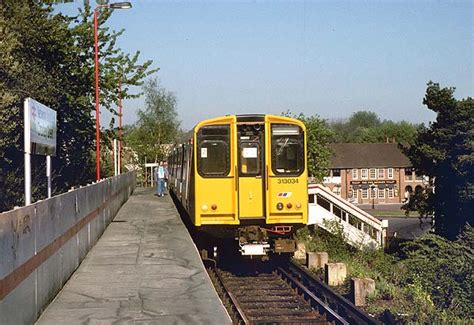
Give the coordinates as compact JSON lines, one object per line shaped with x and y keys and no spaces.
{"x":160,"y":173}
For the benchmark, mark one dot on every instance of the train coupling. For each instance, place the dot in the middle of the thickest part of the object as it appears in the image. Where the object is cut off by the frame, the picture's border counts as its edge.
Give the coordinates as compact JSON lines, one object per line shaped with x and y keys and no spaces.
{"x":253,"y":241}
{"x":259,"y":249}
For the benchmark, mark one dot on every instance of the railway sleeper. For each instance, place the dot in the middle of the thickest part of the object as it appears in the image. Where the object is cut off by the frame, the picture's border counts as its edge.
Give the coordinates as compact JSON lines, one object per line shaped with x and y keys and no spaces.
{"x":302,"y":321}
{"x":264,"y":299}
{"x":286,"y":316}
{"x":277,"y":304}
{"x":277,"y":311}
{"x":250,"y":279}
{"x":264,"y":296}
{"x":266,"y":288}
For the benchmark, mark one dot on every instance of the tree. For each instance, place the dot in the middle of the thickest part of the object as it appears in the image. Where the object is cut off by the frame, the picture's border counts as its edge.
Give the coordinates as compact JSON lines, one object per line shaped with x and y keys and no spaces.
{"x":318,"y":139}
{"x":366,"y":127}
{"x":157,"y":124}
{"x":444,"y":151}
{"x":49,"y":57}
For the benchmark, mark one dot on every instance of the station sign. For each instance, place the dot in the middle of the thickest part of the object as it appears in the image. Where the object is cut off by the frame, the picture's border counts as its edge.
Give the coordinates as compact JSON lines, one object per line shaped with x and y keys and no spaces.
{"x":40,"y":128}
{"x":375,"y":182}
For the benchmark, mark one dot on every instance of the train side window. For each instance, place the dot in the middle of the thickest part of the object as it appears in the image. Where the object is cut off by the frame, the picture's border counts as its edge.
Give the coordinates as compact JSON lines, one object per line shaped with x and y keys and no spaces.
{"x":213,"y":151}
{"x":287,"y":150}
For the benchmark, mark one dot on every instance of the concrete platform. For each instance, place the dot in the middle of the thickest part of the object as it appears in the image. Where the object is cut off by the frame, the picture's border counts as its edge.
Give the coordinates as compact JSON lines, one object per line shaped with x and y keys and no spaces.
{"x":145,"y":269}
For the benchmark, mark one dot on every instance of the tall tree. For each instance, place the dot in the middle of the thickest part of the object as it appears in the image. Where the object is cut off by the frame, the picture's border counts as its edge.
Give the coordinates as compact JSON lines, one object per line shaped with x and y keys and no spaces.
{"x":157,"y":123}
{"x":366,"y":127}
{"x":49,"y":57}
{"x":445,"y":152}
{"x":319,"y":136}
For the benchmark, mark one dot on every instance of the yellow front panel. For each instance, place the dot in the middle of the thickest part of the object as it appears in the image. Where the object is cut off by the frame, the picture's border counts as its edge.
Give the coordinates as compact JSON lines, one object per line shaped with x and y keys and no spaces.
{"x":285,"y":189}
{"x":250,"y":197}
{"x":219,"y":192}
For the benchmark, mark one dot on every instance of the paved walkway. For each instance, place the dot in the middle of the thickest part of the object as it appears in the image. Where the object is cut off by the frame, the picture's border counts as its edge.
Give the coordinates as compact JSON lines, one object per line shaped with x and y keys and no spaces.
{"x":144,"y":269}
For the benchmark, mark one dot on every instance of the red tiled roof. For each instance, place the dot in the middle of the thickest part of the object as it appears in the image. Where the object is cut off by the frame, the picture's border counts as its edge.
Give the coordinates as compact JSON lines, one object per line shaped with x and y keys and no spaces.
{"x":366,"y":155}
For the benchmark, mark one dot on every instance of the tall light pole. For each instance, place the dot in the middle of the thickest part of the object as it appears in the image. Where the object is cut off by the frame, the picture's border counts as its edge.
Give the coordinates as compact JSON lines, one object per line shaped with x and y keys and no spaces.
{"x":120,"y":126}
{"x":115,"y":5}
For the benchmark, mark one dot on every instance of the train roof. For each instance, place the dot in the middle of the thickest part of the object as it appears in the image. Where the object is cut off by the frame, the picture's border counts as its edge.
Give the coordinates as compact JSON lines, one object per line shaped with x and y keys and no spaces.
{"x":251,"y":118}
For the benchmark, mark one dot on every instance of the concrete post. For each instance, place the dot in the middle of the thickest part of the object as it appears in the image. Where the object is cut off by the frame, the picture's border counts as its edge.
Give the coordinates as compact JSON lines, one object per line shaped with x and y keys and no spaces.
{"x":316,"y":260}
{"x":300,"y":253}
{"x":335,"y":273}
{"x":360,"y":289}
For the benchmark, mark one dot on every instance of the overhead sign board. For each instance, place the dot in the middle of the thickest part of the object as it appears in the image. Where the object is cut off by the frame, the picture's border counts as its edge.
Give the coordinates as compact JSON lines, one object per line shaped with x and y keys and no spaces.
{"x":40,"y":128}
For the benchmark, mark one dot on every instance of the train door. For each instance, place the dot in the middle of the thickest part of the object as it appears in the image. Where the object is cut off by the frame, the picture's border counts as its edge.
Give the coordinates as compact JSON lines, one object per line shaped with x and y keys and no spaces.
{"x":287,"y":195}
{"x":251,"y":171}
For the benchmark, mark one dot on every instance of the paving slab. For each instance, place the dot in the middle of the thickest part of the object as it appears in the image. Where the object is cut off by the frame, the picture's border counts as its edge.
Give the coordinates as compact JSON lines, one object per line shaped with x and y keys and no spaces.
{"x":145,"y":269}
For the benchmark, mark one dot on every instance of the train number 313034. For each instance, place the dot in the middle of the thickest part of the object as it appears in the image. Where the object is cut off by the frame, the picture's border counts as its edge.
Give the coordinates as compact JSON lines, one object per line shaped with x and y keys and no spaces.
{"x":287,"y":180}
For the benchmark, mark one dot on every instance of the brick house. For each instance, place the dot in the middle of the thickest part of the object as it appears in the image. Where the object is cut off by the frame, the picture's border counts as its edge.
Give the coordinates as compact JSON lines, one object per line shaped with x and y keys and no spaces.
{"x":372,"y":173}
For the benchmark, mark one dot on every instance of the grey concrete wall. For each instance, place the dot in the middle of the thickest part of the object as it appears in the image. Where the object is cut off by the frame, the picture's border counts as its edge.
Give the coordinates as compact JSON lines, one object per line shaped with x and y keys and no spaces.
{"x":42,"y":244}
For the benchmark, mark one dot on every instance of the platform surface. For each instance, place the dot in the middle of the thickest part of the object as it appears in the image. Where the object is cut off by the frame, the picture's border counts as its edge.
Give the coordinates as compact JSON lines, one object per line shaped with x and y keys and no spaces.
{"x":144,"y":269}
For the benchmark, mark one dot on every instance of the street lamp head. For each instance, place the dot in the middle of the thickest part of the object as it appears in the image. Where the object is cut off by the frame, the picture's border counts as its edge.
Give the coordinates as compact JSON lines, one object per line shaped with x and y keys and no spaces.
{"x":120,"y":5}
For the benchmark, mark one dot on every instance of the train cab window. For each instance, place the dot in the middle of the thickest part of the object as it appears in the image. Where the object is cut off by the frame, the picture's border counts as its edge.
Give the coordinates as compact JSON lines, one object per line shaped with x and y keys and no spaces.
{"x":287,"y":149}
{"x":250,"y":158}
{"x":213,"y":150}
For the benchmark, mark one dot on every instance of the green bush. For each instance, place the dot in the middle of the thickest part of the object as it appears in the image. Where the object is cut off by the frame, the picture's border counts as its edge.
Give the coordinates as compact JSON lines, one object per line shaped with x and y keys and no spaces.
{"x":430,"y":281}
{"x":444,"y":269}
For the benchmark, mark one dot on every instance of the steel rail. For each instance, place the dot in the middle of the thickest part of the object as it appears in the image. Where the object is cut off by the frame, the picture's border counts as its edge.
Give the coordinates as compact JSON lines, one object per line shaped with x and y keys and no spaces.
{"x":328,"y":311}
{"x":239,"y":312}
{"x":343,"y":307}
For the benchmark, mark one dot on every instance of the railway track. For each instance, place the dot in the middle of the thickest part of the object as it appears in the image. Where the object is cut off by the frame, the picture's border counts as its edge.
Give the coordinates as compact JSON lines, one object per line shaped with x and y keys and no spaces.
{"x":288,"y":294}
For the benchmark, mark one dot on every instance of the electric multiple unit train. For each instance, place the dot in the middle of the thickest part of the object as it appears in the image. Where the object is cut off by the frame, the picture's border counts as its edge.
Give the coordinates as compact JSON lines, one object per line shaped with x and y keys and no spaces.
{"x":244,"y":177}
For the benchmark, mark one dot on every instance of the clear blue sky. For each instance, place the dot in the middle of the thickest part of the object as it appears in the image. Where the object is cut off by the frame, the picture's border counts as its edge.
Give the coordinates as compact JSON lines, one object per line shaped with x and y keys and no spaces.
{"x":316,"y":57}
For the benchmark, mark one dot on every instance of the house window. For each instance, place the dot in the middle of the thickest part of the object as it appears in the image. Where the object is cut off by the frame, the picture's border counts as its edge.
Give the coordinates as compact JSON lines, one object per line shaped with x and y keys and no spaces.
{"x":336,"y":173}
{"x":354,"y":174}
{"x":373,"y":193}
{"x":363,"y":173}
{"x":365,"y":193}
{"x":408,"y":174}
{"x":390,"y":173}
{"x":381,"y":194}
{"x":373,"y":173}
{"x":381,"y":173}
{"x":353,"y":193}
{"x":390,"y":193}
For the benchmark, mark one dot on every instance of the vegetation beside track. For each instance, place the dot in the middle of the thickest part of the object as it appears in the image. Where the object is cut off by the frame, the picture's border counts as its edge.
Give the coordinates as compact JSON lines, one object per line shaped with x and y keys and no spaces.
{"x":428,"y":280}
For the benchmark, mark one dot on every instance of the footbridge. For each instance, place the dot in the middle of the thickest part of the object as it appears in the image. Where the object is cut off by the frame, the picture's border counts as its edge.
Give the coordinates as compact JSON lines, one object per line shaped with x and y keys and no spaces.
{"x":360,"y":229}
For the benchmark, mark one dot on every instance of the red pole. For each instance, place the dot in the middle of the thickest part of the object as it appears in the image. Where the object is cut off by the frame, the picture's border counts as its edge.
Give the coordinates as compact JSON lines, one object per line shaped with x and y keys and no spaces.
{"x":120,"y":126}
{"x":97,"y":116}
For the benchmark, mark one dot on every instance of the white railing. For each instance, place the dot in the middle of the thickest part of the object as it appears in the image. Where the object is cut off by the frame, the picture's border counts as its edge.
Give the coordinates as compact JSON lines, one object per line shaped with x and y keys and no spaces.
{"x":360,"y":228}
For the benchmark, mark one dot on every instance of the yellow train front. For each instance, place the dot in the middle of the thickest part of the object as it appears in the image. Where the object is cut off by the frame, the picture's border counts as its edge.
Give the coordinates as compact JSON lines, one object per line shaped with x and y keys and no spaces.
{"x":244,"y":177}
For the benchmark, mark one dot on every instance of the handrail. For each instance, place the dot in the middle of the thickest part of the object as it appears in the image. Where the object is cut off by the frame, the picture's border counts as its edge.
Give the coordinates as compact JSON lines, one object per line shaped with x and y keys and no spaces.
{"x":344,"y":202}
{"x":349,"y":210}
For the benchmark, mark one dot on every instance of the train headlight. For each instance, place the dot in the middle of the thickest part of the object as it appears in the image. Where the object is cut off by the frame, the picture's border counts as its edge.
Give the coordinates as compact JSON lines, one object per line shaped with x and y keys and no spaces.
{"x":214,"y":206}
{"x":289,"y":205}
{"x":280,"y":206}
{"x":204,"y":207}
{"x":298,"y":205}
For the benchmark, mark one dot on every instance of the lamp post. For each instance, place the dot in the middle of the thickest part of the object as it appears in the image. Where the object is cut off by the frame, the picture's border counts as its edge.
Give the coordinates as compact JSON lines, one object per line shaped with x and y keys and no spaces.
{"x":120,"y":127}
{"x":372,"y":192}
{"x":115,"y":5}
